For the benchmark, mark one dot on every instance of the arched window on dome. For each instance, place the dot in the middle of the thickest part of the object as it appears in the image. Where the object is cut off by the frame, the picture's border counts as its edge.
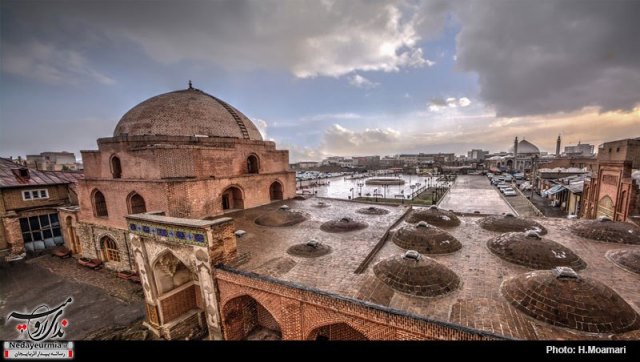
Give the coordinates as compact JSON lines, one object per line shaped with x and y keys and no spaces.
{"x":253,"y":164}
{"x":116,"y":168}
{"x":99,"y":204}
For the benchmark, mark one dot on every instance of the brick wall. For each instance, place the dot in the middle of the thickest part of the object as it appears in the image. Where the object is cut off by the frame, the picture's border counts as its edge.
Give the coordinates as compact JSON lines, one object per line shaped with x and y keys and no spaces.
{"x":12,"y":197}
{"x":302,"y":313}
{"x":178,"y":303}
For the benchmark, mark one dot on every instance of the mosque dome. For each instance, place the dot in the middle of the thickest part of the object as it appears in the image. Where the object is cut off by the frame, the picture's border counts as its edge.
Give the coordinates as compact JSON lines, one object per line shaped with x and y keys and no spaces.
{"x":563,"y":298}
{"x":525,"y":146}
{"x":187,"y":112}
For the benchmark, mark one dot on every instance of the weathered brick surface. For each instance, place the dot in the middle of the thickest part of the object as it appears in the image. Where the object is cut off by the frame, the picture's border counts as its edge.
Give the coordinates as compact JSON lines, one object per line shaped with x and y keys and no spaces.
{"x":302,"y":314}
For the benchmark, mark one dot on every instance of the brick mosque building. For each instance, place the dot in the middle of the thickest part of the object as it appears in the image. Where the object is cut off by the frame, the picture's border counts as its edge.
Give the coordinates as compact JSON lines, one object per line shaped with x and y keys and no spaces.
{"x":188,"y":194}
{"x":186,"y":154}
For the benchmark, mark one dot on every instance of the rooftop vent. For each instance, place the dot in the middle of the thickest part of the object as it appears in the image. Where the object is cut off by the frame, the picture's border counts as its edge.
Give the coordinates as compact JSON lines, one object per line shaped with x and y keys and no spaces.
{"x":240,"y":233}
{"x":313,"y":243}
{"x":422,"y":224}
{"x":532,"y":234}
{"x":21,"y":172}
{"x":284,"y":207}
{"x":412,"y":255}
{"x":564,"y":272}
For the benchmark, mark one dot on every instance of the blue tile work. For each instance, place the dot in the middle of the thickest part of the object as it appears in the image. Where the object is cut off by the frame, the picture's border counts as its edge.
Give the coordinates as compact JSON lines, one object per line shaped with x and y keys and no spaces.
{"x":169,"y":233}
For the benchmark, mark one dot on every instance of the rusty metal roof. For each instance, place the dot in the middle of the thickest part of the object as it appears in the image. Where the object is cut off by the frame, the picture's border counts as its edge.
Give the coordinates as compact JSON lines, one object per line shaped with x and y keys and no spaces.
{"x":10,"y":176}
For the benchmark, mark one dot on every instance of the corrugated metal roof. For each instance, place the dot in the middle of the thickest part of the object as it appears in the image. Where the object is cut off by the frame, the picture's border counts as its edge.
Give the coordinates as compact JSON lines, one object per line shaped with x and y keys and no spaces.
{"x":10,"y":176}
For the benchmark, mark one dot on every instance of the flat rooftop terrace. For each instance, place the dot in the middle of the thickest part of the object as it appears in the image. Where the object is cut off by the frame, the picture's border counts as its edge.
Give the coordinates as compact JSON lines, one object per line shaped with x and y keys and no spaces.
{"x":477,"y":303}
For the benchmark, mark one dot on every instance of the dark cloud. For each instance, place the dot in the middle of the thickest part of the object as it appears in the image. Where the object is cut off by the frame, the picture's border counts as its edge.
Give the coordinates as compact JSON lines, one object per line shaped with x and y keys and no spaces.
{"x":539,"y":57}
{"x":306,"y":38}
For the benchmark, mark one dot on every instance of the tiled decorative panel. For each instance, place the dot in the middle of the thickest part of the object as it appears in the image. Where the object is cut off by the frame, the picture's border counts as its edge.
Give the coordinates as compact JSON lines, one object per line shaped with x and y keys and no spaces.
{"x":169,"y":233}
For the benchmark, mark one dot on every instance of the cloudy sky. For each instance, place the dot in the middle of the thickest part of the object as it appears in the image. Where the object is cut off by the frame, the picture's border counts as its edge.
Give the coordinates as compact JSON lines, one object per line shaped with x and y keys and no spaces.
{"x":324,"y":77}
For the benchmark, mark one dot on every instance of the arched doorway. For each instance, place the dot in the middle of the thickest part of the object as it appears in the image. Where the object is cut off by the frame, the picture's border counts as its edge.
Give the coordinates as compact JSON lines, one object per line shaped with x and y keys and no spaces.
{"x":275,"y":191}
{"x":232,"y":199}
{"x":245,"y":318}
{"x":605,"y":207}
{"x":336,"y":332}
{"x":176,"y":287}
{"x":253,"y":166}
{"x":76,"y":247}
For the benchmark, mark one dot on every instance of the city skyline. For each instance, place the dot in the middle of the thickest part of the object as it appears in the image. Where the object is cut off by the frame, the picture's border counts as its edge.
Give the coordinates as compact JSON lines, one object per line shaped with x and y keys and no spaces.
{"x":328,"y":78}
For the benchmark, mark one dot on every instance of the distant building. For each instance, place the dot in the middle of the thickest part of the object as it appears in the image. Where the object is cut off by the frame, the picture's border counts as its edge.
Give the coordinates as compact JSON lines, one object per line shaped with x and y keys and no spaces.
{"x":53,"y":161}
{"x":621,"y":150}
{"x":304,"y":165}
{"x":579,"y":150}
{"x":477,"y":154}
{"x":366,"y":161}
{"x":29,"y":215}
{"x":426,"y":158}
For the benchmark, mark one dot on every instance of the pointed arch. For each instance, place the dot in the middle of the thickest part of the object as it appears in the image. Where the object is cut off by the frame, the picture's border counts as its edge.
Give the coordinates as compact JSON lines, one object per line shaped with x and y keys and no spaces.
{"x":276,"y":191}
{"x":116,"y":167}
{"x":99,"y":204}
{"x":253,"y":164}
{"x":245,"y":318}
{"x":337,"y":331}
{"x":136,"y":203}
{"x":232,"y":198}
{"x":110,"y":249}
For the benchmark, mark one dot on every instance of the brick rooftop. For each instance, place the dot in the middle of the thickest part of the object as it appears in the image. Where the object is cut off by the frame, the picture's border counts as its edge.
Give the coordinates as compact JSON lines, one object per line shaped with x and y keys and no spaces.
{"x":477,"y":303}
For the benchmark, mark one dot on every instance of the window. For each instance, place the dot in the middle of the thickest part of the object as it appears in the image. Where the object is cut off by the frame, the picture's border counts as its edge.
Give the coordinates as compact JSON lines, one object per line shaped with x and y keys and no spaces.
{"x":36,"y":228}
{"x":252,"y":164}
{"x":99,"y":204}
{"x":116,"y":168}
{"x":136,"y":204}
{"x":35,"y":194}
{"x":110,"y":248}
{"x":617,"y":149}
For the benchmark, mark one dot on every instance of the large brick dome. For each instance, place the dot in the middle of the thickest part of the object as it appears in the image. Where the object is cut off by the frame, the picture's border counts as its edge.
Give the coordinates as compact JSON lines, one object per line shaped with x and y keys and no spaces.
{"x":186,"y":112}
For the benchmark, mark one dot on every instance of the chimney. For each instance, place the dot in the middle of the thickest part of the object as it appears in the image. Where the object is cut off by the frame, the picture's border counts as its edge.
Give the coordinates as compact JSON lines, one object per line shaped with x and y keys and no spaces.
{"x":558,"y":146}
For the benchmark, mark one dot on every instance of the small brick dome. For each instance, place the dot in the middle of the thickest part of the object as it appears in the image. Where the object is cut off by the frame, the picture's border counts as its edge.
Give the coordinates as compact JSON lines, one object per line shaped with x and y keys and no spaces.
{"x":426,"y":239}
{"x":281,"y":217}
{"x":628,"y":259}
{"x":342,"y":225}
{"x":416,"y":274}
{"x":563,"y":298}
{"x":434,"y":216}
{"x":529,"y":249}
{"x":608,"y":231}
{"x":510,"y":223}
{"x":186,"y":112}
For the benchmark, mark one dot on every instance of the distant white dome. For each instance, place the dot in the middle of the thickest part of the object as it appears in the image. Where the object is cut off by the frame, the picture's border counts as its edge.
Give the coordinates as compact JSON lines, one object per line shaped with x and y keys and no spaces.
{"x":525,"y":146}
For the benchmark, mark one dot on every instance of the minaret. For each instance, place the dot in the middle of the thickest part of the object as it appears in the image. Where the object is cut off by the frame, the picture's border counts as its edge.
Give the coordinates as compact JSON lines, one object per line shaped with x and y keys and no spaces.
{"x":515,"y":147}
{"x":558,"y":146}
